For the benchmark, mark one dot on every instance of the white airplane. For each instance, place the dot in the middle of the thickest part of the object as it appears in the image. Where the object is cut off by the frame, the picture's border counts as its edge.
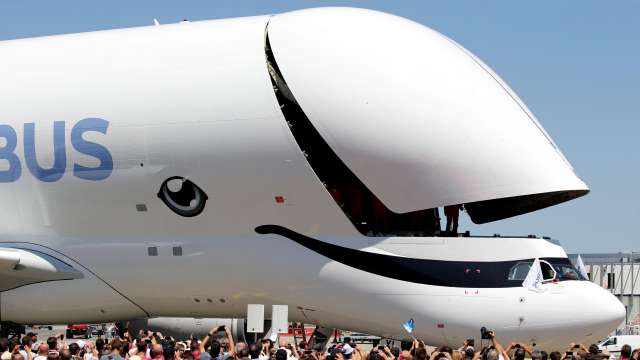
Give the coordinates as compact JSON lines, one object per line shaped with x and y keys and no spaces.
{"x":191,"y":169}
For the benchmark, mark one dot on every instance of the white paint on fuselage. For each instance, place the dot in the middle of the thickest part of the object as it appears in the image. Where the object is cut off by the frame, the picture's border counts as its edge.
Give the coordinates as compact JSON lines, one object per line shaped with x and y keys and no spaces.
{"x":195,"y":100}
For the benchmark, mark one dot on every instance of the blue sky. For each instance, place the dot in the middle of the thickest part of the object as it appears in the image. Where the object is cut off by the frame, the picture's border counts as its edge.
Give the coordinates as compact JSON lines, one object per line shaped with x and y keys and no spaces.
{"x":576,"y":64}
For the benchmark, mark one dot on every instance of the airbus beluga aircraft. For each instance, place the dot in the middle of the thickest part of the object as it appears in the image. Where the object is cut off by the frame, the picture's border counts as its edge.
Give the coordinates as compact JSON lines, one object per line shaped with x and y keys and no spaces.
{"x":188,"y":170}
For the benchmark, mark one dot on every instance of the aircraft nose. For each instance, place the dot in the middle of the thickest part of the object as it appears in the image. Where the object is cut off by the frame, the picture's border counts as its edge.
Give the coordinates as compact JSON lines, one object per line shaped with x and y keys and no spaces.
{"x":586,"y":313}
{"x":605,"y":310}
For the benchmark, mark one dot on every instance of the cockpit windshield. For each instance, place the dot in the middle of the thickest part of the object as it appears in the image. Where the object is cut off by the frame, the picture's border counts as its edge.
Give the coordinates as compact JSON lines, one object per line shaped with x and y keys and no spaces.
{"x":566,"y":272}
{"x":555,"y":269}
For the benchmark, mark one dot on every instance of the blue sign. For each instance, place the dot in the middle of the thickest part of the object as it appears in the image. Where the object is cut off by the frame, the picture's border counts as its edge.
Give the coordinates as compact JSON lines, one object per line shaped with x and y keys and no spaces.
{"x":409,"y":325}
{"x":59,"y":167}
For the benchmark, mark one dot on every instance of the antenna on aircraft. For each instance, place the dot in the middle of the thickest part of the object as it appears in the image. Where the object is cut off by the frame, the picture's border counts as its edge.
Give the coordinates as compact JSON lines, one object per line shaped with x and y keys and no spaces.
{"x":156,"y":22}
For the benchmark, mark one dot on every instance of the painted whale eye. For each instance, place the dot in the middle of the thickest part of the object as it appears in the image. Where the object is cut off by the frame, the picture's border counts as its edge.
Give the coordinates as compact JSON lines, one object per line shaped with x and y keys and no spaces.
{"x":182,"y":196}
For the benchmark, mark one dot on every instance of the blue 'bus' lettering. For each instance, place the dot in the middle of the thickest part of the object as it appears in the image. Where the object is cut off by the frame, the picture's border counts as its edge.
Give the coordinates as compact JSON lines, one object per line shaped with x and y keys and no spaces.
{"x":7,"y":153}
{"x":59,"y":167}
{"x":60,"y":156}
{"x":98,"y":151}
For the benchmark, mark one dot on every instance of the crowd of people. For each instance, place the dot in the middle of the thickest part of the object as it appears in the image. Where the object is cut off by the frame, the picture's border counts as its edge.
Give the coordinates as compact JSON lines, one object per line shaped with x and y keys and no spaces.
{"x":220,"y":345}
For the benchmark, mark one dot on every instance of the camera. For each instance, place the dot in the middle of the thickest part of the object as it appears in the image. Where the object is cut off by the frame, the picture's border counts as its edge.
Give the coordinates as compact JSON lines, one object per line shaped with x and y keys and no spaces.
{"x":485,"y":334}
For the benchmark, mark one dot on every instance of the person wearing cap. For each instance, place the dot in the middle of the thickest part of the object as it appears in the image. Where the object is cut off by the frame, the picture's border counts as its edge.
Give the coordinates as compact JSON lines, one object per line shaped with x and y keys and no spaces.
{"x":347,"y":351}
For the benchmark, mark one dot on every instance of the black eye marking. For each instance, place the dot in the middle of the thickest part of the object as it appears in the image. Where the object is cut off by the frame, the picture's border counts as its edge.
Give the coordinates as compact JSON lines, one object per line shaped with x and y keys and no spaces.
{"x":182,"y":196}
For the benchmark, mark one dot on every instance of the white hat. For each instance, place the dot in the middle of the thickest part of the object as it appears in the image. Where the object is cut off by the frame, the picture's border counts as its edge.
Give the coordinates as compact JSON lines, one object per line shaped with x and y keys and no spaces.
{"x":81,"y":344}
{"x":347,"y":349}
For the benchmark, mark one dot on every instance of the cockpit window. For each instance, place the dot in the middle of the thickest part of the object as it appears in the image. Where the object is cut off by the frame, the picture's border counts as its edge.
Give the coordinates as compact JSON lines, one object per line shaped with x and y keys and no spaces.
{"x":547,"y":271}
{"x":566,"y":272}
{"x":519,"y":271}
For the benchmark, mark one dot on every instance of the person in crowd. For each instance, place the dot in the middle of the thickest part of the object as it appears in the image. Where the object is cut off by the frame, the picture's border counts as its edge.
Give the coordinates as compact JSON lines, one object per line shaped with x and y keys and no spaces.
{"x":396,"y":351}
{"x":25,"y":351}
{"x":555,"y":355}
{"x":593,"y":353}
{"x":215,"y":348}
{"x":141,"y":350}
{"x":292,"y":353}
{"x":347,"y":351}
{"x":281,"y":354}
{"x":91,"y":353}
{"x":468,"y":352}
{"x":126,"y":346}
{"x":518,"y":351}
{"x":241,"y":346}
{"x":406,"y":345}
{"x":100,"y":347}
{"x":421,"y":353}
{"x":65,"y":354}
{"x":181,"y":348}
{"x":43,"y":352}
{"x":625,"y":352}
{"x":34,"y":341}
{"x":495,"y":351}
{"x":254,"y":351}
{"x":539,"y":355}
{"x":267,"y":349}
{"x":52,"y":341}
{"x":242,"y":354}
{"x":116,"y":351}
{"x":157,"y":352}
{"x":192,"y":349}
{"x":4,"y":349}
{"x":74,"y":349}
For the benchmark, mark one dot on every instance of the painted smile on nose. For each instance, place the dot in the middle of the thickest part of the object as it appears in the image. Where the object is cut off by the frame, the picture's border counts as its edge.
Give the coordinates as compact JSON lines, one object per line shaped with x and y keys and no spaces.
{"x":465,"y":274}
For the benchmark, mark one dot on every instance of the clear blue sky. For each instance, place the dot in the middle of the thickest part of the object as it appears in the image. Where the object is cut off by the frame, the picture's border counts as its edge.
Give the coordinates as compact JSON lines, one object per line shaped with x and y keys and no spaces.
{"x":576,"y":64}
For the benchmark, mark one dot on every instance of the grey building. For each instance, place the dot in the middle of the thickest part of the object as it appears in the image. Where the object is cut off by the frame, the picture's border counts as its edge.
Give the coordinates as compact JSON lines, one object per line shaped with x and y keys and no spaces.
{"x":620,"y":274}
